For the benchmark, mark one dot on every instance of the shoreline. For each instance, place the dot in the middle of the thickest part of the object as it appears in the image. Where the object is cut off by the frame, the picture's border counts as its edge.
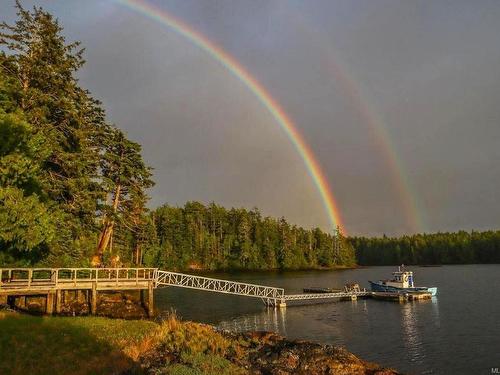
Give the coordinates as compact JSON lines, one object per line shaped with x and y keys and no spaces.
{"x":169,"y":346}
{"x":200,"y":271}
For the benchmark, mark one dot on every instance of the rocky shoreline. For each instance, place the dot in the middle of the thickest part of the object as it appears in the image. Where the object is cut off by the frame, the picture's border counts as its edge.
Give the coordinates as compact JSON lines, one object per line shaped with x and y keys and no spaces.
{"x":266,"y":353}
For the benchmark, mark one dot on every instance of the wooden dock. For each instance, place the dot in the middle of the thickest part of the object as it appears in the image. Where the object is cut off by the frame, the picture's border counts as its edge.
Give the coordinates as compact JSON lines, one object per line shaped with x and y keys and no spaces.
{"x":54,"y":283}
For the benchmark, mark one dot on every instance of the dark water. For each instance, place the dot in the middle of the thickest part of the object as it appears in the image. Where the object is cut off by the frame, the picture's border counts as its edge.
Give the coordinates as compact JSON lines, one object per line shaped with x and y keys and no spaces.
{"x":457,"y":332}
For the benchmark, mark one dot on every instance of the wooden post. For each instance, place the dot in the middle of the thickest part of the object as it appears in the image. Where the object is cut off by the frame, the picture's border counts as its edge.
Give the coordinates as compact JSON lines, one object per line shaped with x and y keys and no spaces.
{"x":58,"y":300}
{"x":150,"y":299}
{"x":93,"y":300}
{"x":49,"y":305}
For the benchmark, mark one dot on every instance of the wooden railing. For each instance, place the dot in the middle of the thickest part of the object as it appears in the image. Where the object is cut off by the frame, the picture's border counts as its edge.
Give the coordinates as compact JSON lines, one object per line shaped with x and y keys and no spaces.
{"x":11,"y":278}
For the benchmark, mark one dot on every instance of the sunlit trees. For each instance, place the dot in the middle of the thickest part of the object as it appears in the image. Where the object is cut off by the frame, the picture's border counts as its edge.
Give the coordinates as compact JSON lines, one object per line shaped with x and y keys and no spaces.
{"x":59,"y":158}
{"x":212,"y":237}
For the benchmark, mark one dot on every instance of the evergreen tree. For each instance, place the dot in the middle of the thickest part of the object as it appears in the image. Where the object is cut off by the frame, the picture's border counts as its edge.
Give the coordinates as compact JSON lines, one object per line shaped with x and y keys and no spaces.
{"x":59,"y":159}
{"x":125,"y":178}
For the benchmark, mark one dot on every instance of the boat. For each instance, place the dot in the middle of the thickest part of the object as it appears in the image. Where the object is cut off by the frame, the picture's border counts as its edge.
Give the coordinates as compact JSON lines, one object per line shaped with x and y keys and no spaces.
{"x":321,"y":290}
{"x":402,"y":282}
{"x":349,"y":287}
{"x":430,"y":265}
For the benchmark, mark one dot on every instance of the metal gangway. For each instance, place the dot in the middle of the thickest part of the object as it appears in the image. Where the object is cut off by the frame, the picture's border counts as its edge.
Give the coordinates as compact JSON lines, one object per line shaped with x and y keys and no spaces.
{"x":271,"y":296}
{"x":318,"y":296}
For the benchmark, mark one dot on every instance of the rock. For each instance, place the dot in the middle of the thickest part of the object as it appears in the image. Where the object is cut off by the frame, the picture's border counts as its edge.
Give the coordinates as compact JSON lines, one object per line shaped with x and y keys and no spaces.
{"x":269,"y":353}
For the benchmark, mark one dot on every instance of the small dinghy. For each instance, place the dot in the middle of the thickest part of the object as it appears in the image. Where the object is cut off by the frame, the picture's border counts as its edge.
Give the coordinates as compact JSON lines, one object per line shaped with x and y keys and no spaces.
{"x":321,"y":290}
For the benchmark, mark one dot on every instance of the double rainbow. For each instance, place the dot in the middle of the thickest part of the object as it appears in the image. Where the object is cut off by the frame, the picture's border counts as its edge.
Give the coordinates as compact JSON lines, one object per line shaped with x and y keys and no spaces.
{"x":260,"y":92}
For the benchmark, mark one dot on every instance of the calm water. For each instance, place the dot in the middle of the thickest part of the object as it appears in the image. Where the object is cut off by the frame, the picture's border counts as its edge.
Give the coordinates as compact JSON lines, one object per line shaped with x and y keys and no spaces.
{"x":458,"y":332}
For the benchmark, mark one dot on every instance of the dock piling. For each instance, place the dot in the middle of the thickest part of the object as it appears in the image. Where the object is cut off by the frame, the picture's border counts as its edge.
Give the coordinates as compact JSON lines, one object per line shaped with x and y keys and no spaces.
{"x":150,"y":299}
{"x":49,"y":304}
{"x":58,"y":300}
{"x":93,"y":299}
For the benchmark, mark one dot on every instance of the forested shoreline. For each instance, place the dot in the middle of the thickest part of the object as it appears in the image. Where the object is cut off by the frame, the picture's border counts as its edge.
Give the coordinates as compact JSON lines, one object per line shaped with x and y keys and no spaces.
{"x":215,"y":238}
{"x":438,"y":248}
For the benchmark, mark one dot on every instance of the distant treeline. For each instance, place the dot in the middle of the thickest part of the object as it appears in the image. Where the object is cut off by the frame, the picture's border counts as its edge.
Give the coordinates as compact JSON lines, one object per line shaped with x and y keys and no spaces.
{"x":213,"y":237}
{"x":439,"y":248}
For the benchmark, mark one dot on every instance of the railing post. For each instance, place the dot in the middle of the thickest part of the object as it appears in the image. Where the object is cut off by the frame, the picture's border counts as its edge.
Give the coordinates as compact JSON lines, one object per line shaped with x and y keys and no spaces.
{"x":30,"y":275}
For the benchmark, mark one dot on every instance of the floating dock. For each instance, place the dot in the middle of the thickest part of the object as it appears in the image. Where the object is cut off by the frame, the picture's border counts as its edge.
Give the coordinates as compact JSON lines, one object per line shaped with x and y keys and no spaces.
{"x":401,"y":297}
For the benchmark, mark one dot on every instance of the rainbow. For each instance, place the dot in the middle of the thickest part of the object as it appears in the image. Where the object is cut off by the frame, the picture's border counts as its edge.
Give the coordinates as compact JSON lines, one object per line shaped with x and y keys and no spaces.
{"x":238,"y":70}
{"x":353,"y":89}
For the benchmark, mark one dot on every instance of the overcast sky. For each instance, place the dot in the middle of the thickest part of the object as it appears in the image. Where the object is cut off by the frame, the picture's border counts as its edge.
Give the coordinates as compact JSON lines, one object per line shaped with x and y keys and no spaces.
{"x":356,"y":77}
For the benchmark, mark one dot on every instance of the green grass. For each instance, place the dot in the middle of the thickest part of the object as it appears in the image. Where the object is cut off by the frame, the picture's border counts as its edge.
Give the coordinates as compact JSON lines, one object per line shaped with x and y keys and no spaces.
{"x":84,"y":345}
{"x":94,"y":345}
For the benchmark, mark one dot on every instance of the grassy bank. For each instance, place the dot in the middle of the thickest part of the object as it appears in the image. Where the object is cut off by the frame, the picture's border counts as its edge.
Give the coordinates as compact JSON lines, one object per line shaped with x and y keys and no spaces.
{"x":94,"y":345}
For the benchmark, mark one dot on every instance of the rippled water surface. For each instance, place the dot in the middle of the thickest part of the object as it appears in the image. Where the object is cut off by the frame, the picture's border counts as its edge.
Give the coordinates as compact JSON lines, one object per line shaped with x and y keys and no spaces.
{"x":457,"y":332}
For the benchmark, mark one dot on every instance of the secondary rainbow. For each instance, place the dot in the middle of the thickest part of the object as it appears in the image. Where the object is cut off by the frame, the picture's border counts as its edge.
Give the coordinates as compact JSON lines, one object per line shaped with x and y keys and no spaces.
{"x":353,"y":89}
{"x":260,"y":92}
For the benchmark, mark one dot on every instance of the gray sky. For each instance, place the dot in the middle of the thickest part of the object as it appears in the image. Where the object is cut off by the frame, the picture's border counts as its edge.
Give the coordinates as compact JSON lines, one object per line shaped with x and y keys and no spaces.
{"x":426,"y":72}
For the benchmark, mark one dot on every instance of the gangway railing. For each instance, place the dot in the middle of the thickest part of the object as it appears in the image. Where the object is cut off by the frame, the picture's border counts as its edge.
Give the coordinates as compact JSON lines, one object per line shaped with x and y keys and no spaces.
{"x":269,"y":294}
{"x":312,"y":296}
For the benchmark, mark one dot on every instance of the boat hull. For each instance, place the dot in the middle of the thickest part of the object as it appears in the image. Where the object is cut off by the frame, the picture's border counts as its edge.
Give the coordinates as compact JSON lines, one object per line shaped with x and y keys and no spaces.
{"x":380,"y":287}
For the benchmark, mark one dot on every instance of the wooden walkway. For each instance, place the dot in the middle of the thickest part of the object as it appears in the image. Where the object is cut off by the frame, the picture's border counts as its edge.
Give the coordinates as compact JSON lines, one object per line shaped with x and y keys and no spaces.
{"x":51,"y":279}
{"x":54,"y":281}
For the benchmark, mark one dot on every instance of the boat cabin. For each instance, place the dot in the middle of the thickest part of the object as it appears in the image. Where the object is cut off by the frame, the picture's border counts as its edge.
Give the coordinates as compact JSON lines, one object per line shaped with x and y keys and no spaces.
{"x":401,"y":279}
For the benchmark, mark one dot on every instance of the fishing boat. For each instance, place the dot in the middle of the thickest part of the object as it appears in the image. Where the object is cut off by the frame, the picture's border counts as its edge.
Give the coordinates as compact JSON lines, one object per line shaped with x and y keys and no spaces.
{"x":402,"y":282}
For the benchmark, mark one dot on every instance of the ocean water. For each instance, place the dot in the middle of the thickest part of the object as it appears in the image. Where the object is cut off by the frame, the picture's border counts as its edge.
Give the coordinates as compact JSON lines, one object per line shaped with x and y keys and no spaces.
{"x":457,"y":332}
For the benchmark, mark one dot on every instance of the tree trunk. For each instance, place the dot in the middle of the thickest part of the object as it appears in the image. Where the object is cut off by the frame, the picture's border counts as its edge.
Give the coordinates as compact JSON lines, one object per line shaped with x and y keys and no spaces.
{"x":107,"y":231}
{"x":137,"y":254}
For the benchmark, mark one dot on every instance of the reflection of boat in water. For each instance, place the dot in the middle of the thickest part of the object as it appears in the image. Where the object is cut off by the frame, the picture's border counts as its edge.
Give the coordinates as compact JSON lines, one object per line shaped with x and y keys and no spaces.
{"x":402,"y":282}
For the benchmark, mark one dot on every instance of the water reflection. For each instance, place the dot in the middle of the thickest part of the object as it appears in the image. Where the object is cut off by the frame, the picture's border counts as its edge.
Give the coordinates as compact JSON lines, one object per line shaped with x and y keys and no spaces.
{"x":435,"y":310}
{"x":411,"y":334}
{"x":413,"y":327}
{"x":270,"y":319}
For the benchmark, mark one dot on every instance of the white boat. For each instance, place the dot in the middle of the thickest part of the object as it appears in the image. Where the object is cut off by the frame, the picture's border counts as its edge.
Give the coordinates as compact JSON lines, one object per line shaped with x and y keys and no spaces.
{"x":402,"y":281}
